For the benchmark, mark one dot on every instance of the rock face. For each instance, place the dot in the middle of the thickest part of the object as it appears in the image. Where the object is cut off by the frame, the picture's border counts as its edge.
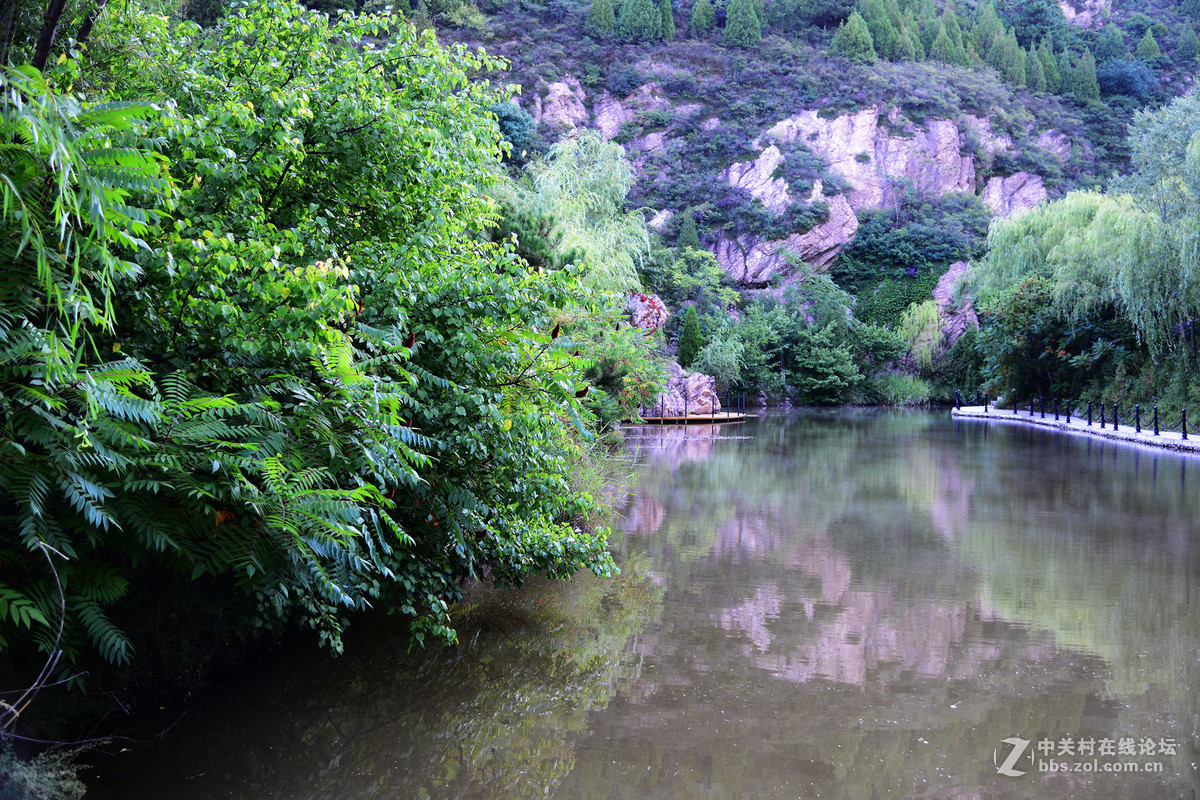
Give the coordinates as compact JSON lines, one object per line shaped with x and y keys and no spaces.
{"x":1085,"y":13}
{"x":610,"y":115}
{"x":694,"y":392}
{"x":858,"y":149}
{"x":755,"y":178}
{"x":753,"y":261}
{"x":561,"y":106}
{"x":1018,"y":192}
{"x":957,"y":317}
{"x":647,"y":311}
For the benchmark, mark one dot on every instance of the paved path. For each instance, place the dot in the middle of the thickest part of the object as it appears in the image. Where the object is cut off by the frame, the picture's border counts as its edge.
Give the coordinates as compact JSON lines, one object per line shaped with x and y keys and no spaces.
{"x":1168,"y":440}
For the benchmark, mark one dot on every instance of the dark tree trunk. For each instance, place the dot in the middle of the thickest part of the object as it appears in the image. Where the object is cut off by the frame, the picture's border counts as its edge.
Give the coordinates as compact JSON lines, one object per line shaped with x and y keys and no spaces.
{"x":85,"y":30}
{"x":54,"y":13}
{"x":12,"y":9}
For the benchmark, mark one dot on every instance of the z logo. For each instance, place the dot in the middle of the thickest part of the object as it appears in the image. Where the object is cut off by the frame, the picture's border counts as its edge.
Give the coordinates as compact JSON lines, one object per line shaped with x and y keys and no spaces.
{"x":1018,"y":748}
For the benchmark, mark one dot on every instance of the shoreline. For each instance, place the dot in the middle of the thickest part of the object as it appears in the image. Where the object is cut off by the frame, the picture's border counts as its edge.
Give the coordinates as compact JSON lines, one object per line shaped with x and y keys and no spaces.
{"x":1166,"y":440}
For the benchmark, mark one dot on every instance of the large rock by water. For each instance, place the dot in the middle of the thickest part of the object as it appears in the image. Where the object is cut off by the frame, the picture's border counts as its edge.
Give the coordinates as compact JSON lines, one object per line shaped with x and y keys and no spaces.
{"x":693,"y":392}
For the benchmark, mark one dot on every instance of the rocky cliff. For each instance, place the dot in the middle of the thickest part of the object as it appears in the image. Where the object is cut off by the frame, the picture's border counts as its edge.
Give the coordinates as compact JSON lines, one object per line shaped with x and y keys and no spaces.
{"x":871,"y":151}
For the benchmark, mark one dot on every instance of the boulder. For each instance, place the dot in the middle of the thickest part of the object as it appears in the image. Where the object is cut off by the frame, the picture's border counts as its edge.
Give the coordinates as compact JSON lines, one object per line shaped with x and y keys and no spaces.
{"x":561,"y":106}
{"x":1085,"y":13}
{"x":956,"y":317}
{"x":647,"y":311}
{"x":1018,"y":192}
{"x":694,"y":392}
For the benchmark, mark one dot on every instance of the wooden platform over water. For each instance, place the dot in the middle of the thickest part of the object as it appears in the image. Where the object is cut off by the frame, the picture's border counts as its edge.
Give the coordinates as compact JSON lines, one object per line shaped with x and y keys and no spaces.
{"x":718,"y":418}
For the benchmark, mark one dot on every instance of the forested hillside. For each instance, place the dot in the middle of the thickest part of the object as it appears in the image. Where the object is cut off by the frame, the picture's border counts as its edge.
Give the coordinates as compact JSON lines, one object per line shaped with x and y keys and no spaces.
{"x":311,"y":311}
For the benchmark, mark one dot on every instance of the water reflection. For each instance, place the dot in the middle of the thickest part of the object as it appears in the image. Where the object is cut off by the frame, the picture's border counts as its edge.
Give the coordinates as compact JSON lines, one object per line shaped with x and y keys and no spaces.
{"x":837,"y":605}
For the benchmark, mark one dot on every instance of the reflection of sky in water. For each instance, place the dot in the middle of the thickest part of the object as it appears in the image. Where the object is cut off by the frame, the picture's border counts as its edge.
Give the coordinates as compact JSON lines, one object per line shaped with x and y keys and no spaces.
{"x":838,"y":605}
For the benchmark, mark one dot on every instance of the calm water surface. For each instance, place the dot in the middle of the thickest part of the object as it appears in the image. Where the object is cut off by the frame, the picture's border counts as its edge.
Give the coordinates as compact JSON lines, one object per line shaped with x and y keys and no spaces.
{"x":839,"y":605}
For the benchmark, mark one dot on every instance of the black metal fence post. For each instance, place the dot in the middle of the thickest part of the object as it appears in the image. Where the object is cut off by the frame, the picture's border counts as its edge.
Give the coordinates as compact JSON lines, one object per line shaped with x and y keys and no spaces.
{"x":1156,"y":420}
{"x":1116,"y":416}
{"x":985,"y":402}
{"x":1183,"y":427}
{"x":1089,"y":413}
{"x":957,"y":400}
{"x":1068,"y":412}
{"x":1031,"y":408}
{"x":1056,"y":409}
{"x":1042,"y":406}
{"x":1102,"y":420}
{"x":1137,"y":419}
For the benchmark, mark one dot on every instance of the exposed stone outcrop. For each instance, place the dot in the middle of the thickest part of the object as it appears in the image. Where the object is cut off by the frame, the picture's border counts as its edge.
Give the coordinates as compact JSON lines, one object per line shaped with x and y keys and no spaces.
{"x":1017,"y":192}
{"x":990,"y":142}
{"x":610,"y":114}
{"x":693,"y":392}
{"x":561,"y":106}
{"x":956,"y":317}
{"x":858,"y":149}
{"x":647,"y":311}
{"x":1085,"y":13}
{"x":753,"y":261}
{"x":756,"y":178}
{"x":661,"y":220}
{"x":1054,"y":142}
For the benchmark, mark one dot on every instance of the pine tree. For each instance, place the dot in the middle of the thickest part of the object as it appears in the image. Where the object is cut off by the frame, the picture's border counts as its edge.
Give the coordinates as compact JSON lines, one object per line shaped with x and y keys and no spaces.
{"x":914,"y":35}
{"x":1189,"y":44}
{"x":1191,"y":8}
{"x":906,"y":49}
{"x":853,"y":40}
{"x":639,"y":21}
{"x":704,"y":18}
{"x":668,"y":20}
{"x":1049,"y":66}
{"x":741,"y":25}
{"x":1082,"y":83}
{"x":689,"y":338}
{"x":688,"y":237}
{"x":884,"y":35}
{"x":1035,"y":73}
{"x":1148,"y":49}
{"x":987,"y":27}
{"x":1111,"y":45}
{"x":1012,"y":64}
{"x":600,"y":18}
{"x":943,"y":48}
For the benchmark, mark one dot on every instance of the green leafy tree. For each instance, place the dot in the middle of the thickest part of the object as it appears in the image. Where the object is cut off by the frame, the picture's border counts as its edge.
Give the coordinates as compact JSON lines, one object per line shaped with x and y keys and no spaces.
{"x":639,"y":21}
{"x":703,"y":19}
{"x":742,"y":28}
{"x":853,"y":41}
{"x":690,"y":341}
{"x":601,"y":20}
{"x":668,"y":20}
{"x":1148,"y":49}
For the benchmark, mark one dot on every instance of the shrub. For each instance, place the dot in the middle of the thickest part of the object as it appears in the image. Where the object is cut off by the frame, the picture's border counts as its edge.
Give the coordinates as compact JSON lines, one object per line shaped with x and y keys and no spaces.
{"x":853,"y":41}
{"x":742,"y":27}
{"x":704,"y":18}
{"x":689,"y":338}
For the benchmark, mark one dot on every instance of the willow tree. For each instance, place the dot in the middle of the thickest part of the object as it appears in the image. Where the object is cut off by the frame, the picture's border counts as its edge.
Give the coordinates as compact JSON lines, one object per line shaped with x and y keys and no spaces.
{"x":583,"y":183}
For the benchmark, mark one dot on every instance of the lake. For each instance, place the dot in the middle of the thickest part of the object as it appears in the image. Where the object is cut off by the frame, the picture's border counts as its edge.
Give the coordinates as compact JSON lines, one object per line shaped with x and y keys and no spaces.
{"x":849,"y":604}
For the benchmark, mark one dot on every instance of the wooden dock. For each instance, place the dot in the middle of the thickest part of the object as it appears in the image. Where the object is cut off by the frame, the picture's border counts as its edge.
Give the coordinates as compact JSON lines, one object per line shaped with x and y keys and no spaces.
{"x":718,"y":418}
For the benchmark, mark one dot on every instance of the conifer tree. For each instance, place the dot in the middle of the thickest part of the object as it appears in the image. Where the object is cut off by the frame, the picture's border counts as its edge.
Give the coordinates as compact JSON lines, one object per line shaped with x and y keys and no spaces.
{"x":1189,"y":44}
{"x":1083,"y":84}
{"x":689,"y":337}
{"x":1050,"y":66}
{"x":853,"y":40}
{"x":914,"y":35}
{"x":1111,"y":44}
{"x":639,"y":21}
{"x":688,"y":237}
{"x":943,"y":48}
{"x":741,"y":25}
{"x":1035,"y":74}
{"x":600,"y":18}
{"x":884,"y":35}
{"x":760,"y":11}
{"x":1012,"y":62}
{"x":668,"y":20}
{"x":1148,"y":49}
{"x":704,"y":18}
{"x":987,"y":27}
{"x":906,"y":49}
{"x":1191,"y":8}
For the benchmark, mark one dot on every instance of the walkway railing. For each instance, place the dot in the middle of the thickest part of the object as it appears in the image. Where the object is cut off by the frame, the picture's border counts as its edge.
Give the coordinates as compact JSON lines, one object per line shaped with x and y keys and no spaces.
{"x":1097,"y":415}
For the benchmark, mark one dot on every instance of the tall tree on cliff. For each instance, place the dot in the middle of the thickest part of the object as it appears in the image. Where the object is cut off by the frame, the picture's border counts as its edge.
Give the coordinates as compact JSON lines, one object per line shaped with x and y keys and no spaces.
{"x":742,"y":28}
{"x":639,"y":21}
{"x":853,"y":41}
{"x":600,"y":18}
